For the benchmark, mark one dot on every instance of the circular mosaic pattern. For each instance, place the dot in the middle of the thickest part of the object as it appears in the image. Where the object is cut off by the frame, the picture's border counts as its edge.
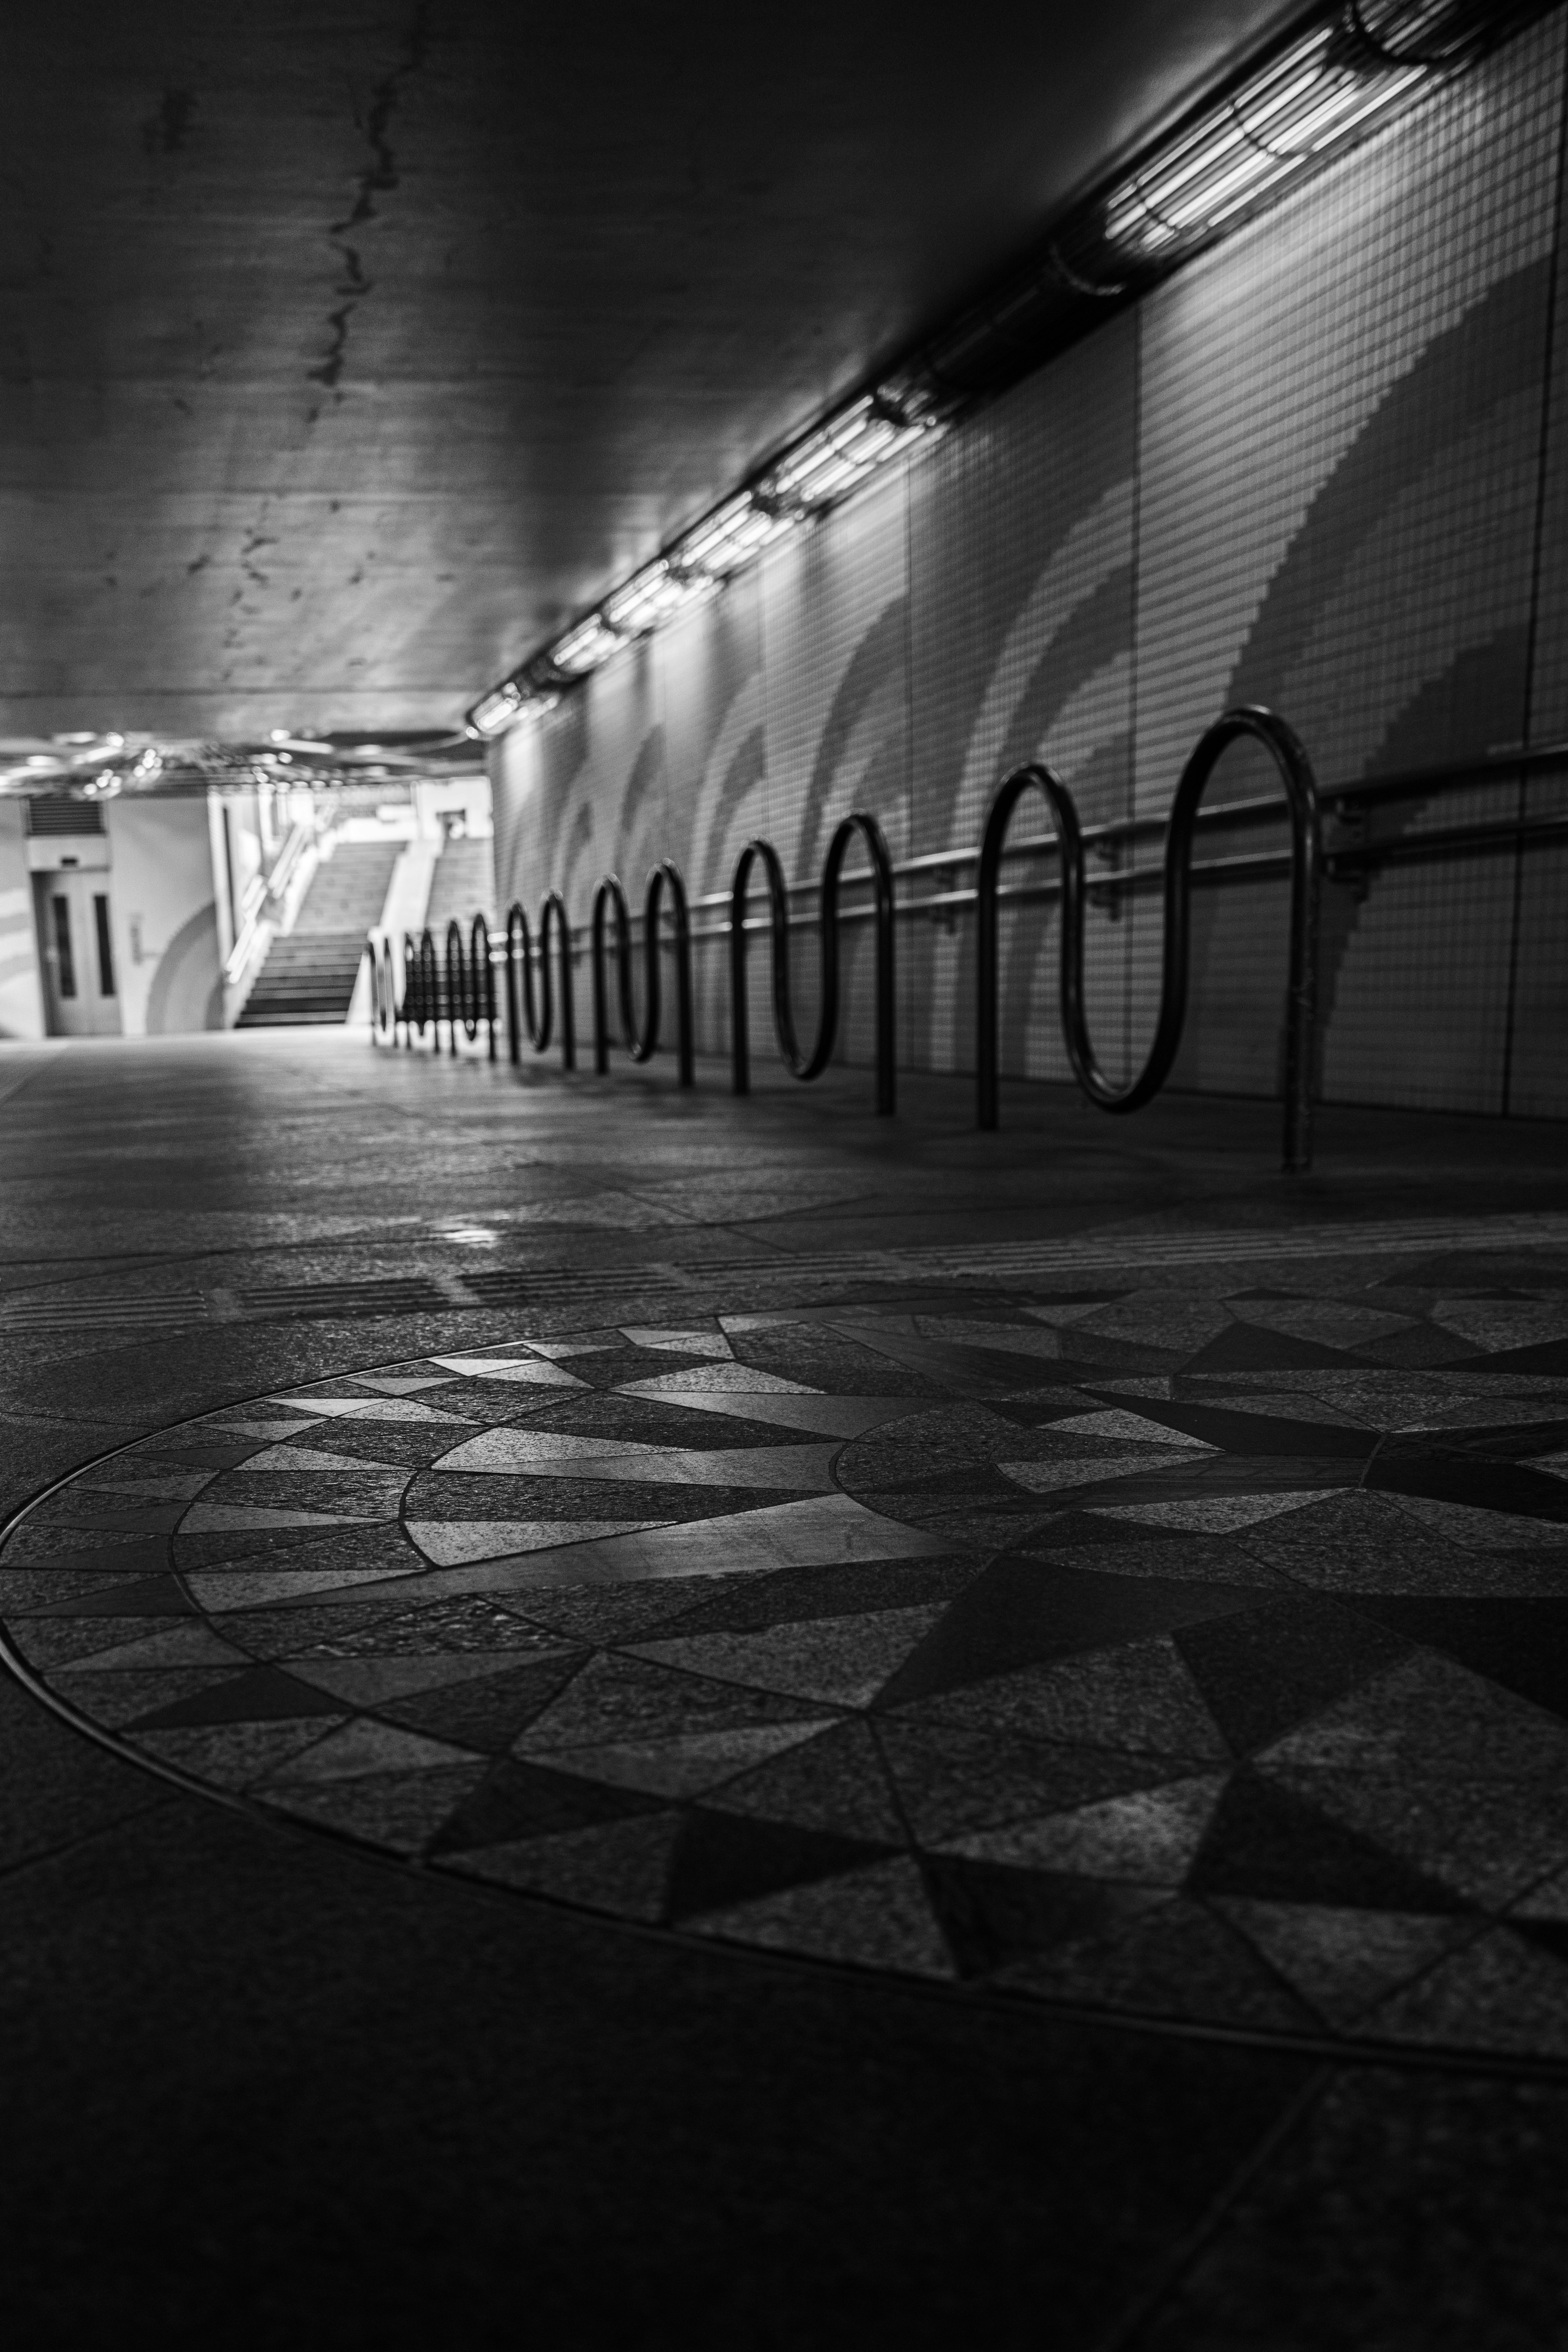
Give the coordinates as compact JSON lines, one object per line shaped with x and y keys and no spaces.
{"x":1197,"y":1653}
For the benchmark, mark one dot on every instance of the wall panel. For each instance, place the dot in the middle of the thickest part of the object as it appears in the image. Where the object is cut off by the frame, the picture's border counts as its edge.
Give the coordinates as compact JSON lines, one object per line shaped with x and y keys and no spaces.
{"x":1323,"y":468}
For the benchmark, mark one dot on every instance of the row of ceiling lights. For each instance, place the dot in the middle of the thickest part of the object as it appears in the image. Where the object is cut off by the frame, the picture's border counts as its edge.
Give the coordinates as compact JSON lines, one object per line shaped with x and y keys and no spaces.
{"x":1324,"y":90}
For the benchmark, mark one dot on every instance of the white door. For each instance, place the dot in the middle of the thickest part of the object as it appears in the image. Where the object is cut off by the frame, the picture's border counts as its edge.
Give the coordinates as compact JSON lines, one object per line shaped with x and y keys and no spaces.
{"x":77,"y":953}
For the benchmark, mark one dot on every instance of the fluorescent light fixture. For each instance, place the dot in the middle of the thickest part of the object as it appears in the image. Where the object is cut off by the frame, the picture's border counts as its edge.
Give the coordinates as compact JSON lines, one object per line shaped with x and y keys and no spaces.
{"x":1271,"y":128}
{"x":652,"y":595}
{"x":1269,"y":131}
{"x":838,"y":454}
{"x":729,"y":537}
{"x":495,"y":712}
{"x":593,"y":641}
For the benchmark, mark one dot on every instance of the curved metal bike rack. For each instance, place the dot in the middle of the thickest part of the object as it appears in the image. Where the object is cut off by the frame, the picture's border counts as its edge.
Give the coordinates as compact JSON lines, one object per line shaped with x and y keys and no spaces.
{"x":470,"y":982}
{"x":540,"y":1019}
{"x":642,"y":1043}
{"x":1306,"y":865}
{"x":811,"y":1066}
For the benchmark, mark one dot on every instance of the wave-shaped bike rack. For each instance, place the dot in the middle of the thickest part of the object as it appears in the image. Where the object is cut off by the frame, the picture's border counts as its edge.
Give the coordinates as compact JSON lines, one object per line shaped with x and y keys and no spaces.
{"x":642,"y":1043}
{"x":540,"y":1019}
{"x":461,"y":994}
{"x":806,"y":1067}
{"x":457,"y":988}
{"x":1300,"y":998}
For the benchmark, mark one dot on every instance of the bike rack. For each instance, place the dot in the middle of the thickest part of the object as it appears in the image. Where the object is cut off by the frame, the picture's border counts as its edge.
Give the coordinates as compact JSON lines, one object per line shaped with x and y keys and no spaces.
{"x":642,"y":1043}
{"x":540,"y":1023}
{"x":470,"y":982}
{"x":808,"y":1067}
{"x":469,"y":994}
{"x":1300,"y":1001}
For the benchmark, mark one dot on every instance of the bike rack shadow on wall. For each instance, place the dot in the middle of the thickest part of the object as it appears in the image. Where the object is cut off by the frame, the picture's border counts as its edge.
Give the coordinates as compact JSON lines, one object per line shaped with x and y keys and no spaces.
{"x":463,"y":997}
{"x":1300,"y":999}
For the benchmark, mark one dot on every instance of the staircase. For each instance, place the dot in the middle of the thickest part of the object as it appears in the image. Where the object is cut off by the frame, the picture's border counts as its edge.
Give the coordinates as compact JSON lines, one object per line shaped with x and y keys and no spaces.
{"x":463,"y":886}
{"x":309,"y":976}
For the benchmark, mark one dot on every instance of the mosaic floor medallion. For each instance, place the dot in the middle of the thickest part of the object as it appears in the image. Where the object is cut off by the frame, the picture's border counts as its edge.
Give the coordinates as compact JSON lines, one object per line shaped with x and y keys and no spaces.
{"x":1198,"y":1654}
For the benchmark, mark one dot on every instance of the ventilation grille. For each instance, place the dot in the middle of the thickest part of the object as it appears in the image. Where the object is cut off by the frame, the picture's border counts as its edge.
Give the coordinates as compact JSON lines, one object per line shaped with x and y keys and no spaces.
{"x":49,"y":818}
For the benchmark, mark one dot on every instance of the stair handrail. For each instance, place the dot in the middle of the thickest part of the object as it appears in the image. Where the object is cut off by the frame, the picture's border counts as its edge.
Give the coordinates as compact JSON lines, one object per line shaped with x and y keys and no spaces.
{"x":808,"y":1067}
{"x":642,"y":1043}
{"x":519,"y":957}
{"x":1248,"y":719}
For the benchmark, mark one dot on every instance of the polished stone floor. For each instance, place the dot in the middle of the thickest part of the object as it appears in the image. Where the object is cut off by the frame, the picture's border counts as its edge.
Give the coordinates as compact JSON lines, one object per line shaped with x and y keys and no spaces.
{"x":984,"y":1717}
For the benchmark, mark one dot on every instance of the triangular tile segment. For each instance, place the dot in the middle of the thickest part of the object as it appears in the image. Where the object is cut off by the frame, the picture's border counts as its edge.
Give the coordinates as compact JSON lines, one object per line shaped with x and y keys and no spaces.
{"x":620,"y":1866}
{"x":316,"y":1457}
{"x":1147,"y":1838}
{"x":1025,"y":1611}
{"x":1343,"y":1962}
{"x":1269,"y":1425}
{"x":1519,"y":1645}
{"x":666,"y":1340}
{"x":1431,"y":1718}
{"x":845,"y":1660}
{"x":59,"y":1549}
{"x":526,"y":1372}
{"x":834,"y":1781}
{"x":1247,"y":1348}
{"x":992,"y":1915}
{"x":1055,"y":1474}
{"x":628,"y":1697}
{"x":369,"y":1407}
{"x":233,"y":1755}
{"x":521,"y":1800}
{"x":724,"y":1859}
{"x":1547,"y":1935}
{"x":1415,"y":1466}
{"x":149,"y":1596}
{"x":244,"y":1519}
{"x":1503,"y":1991}
{"x":399,"y":1812}
{"x":878,"y":1917}
{"x":950,"y":1781}
{"x":262,"y":1695}
{"x":1138,"y":1700}
{"x":787,"y":1407}
{"x":1116,"y":1422}
{"x":1268,"y":1844}
{"x":365,"y":1747}
{"x":231,"y":1589}
{"x":1215,"y":1513}
{"x":367,"y":1682}
{"x":1549,"y":1355}
{"x":1180,"y":1959}
{"x":685,"y":1764}
{"x":488,"y":1714}
{"x":821,"y":1531}
{"x":452,"y":1543}
{"x":717,"y":1379}
{"x":1270,"y":1669}
{"x":116,"y":1701}
{"x":191,"y":1642}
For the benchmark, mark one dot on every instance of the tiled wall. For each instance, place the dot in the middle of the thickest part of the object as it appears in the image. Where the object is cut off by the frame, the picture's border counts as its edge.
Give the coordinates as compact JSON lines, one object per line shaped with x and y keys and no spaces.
{"x":1324,"y":468}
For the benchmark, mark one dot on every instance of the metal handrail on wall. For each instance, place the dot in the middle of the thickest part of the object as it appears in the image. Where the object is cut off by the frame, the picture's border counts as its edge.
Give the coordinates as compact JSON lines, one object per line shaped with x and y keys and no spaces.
{"x":419,"y":997}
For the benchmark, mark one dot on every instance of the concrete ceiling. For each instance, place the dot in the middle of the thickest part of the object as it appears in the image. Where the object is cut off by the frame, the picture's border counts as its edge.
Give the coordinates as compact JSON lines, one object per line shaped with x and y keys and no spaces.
{"x":343,"y":358}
